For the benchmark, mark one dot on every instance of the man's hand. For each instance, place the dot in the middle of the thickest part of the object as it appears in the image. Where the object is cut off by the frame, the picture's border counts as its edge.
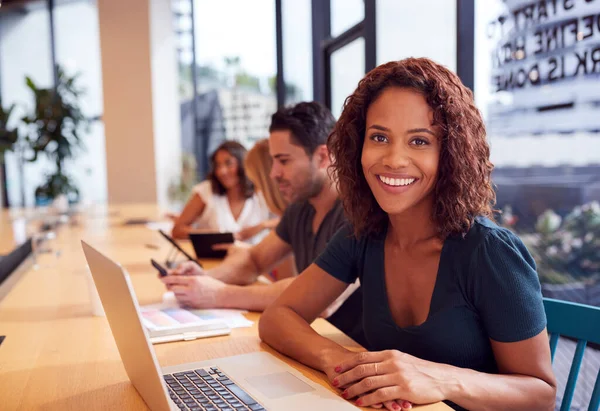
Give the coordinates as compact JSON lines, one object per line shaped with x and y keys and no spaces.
{"x":196,"y":291}
{"x":186,"y":268}
{"x":232,"y":248}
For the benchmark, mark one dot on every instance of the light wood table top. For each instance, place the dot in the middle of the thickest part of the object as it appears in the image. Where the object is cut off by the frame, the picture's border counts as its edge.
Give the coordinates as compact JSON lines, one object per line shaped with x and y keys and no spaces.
{"x":57,"y":356}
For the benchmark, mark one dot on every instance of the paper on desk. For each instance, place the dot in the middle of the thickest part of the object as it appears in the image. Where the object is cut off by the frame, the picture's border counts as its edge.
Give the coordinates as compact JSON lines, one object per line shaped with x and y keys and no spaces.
{"x":169,"y":314}
{"x":233,"y":318}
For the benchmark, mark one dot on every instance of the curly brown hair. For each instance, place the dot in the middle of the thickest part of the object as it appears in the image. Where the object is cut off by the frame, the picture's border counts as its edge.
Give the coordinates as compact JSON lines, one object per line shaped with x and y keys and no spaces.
{"x":463,"y":190}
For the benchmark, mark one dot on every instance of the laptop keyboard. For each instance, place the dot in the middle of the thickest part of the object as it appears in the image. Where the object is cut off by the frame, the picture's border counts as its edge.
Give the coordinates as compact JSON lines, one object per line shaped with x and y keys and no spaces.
{"x":208,"y":390}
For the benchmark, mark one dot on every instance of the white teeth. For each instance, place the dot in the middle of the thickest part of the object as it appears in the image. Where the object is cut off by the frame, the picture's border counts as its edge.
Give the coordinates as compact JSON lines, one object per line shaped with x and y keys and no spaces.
{"x":395,"y":182}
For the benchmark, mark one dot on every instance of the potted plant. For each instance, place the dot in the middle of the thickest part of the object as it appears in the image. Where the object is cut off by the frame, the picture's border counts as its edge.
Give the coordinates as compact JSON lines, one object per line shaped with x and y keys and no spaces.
{"x":8,"y":136}
{"x":55,"y":126}
{"x":181,"y":188}
{"x":567,"y":252}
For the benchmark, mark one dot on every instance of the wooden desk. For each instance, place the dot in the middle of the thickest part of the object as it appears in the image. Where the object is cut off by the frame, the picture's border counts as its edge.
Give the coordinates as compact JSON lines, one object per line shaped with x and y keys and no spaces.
{"x":57,"y":356}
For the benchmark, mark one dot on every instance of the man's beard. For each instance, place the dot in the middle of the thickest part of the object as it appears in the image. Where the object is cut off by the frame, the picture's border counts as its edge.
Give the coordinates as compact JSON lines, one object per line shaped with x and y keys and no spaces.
{"x":311,"y":188}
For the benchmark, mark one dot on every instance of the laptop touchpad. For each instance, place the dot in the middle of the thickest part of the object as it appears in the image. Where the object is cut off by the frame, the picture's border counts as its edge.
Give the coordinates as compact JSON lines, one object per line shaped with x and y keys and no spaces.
{"x":279,"y":385}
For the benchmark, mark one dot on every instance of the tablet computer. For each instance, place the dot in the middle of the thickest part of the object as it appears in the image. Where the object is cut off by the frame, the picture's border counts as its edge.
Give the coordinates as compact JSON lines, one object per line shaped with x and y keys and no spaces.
{"x":181,"y":250}
{"x":203,"y":244}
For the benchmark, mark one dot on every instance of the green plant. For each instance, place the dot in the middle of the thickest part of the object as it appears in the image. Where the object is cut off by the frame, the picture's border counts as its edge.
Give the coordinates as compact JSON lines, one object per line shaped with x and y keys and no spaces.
{"x":180,"y":190}
{"x":55,"y":126}
{"x":567,"y":249}
{"x":8,"y":136}
{"x":249,"y":81}
{"x":292,"y":92}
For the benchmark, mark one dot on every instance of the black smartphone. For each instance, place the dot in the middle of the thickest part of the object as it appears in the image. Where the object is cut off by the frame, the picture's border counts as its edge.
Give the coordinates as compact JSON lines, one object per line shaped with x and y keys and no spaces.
{"x":181,"y":250}
{"x":161,"y":270}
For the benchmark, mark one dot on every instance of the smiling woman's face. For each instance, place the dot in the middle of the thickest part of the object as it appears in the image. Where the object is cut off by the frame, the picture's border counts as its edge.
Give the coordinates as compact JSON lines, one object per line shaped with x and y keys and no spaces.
{"x":226,"y":169}
{"x":401,"y":150}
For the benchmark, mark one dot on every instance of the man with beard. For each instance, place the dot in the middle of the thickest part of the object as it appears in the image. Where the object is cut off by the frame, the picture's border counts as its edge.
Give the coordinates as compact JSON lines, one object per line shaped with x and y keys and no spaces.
{"x":297,"y":143}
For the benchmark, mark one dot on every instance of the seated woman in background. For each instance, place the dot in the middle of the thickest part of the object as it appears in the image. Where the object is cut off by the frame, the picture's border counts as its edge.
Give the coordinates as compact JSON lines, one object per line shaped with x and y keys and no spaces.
{"x":258,"y":167}
{"x":226,"y":201}
{"x":452,"y":302}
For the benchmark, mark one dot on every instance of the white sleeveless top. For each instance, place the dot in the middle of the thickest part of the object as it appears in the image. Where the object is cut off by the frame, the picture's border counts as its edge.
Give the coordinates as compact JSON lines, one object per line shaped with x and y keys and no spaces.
{"x":217,"y":214}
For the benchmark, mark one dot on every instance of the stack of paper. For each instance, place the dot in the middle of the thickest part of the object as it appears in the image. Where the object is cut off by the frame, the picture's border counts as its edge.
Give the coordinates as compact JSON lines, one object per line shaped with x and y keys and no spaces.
{"x":167,"y":315}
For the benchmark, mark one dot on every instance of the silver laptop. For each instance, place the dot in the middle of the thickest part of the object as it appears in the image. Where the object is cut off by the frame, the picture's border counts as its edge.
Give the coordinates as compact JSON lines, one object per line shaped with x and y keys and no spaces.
{"x":256,"y":381}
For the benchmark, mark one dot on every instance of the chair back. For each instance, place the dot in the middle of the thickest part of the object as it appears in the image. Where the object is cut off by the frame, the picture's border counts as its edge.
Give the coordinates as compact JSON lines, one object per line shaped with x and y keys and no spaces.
{"x":581,"y":322}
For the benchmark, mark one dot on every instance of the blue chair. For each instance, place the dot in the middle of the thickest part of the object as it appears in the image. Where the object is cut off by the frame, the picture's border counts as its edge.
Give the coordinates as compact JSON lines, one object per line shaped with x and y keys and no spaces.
{"x":581,"y":322}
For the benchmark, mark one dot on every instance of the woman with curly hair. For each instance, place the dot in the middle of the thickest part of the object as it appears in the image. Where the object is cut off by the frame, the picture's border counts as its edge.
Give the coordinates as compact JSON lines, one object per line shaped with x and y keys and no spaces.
{"x":452,"y":303}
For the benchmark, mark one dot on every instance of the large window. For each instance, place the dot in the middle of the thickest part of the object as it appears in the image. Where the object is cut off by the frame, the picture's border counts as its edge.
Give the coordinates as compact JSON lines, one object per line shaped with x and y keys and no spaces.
{"x":536,"y":86}
{"x":25,"y":51}
{"x":347,"y":69}
{"x":237,"y":55}
{"x":235,"y":73}
{"x":536,"y":82}
{"x":343,"y":48}
{"x":362,"y":34}
{"x":411,"y":29}
{"x":297,"y":50}
{"x":345,"y":14}
{"x":80,"y":55}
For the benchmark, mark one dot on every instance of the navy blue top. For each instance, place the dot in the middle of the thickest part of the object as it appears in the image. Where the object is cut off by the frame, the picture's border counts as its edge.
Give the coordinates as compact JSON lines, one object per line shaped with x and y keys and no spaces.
{"x":486,"y":288}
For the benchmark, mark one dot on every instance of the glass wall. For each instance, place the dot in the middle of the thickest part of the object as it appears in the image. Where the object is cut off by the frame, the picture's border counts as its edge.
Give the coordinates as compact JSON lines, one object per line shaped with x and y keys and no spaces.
{"x":537,"y":86}
{"x":347,"y":69}
{"x":345,"y":14}
{"x":24,"y":51}
{"x":536,"y":82}
{"x":236,"y":73}
{"x":410,"y":29}
{"x":297,"y":50}
{"x":80,"y":55}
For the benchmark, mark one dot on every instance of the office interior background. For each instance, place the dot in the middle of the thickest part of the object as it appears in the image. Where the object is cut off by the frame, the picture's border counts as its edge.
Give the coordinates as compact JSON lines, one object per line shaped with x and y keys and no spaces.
{"x":165,"y":81}
{"x":139,"y":65}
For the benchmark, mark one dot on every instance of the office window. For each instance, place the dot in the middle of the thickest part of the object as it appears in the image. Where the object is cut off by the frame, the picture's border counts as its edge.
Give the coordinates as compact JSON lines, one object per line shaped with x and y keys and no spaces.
{"x":236,"y":69}
{"x":24,"y":51}
{"x":535,"y":85}
{"x":78,"y":52}
{"x":540,"y":103}
{"x":297,"y":50}
{"x":182,"y":24}
{"x":345,"y":14}
{"x":236,"y":54}
{"x":347,"y":69}
{"x":411,"y":29}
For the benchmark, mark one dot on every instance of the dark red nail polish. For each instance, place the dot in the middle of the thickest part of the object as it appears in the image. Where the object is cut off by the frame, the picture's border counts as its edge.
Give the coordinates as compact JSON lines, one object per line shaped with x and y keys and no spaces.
{"x":345,"y":394}
{"x":395,"y":406}
{"x":359,"y":402}
{"x":335,"y":382}
{"x":338,"y":369}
